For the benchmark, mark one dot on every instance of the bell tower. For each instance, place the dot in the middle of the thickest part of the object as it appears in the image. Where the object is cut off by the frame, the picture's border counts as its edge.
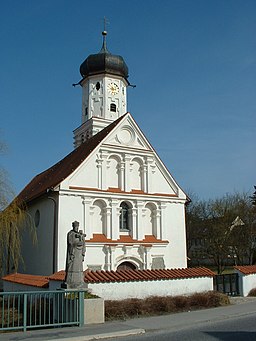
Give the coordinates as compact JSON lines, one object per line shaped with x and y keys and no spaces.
{"x":104,"y":86}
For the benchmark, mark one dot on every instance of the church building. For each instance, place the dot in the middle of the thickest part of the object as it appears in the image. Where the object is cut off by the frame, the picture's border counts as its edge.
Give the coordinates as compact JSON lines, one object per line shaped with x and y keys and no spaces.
{"x":113,"y":183}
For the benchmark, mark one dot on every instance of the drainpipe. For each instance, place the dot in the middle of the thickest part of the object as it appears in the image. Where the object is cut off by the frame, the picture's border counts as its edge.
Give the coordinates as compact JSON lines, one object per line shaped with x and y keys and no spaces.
{"x":55,"y":234}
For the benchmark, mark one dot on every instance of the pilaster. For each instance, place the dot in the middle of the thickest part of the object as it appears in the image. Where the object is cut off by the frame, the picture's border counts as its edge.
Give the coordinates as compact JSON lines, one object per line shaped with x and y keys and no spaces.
{"x":127,"y":160}
{"x":140,"y":226}
{"x":115,"y":210}
{"x":86,"y":225}
{"x":163,"y":224}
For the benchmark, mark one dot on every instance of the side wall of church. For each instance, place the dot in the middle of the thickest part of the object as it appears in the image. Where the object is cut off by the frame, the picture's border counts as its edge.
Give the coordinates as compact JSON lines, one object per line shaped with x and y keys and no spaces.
{"x":42,"y":213}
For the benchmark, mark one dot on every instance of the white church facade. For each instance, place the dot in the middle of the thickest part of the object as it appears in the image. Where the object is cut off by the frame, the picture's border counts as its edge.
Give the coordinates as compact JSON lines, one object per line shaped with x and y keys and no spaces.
{"x":114,"y":183}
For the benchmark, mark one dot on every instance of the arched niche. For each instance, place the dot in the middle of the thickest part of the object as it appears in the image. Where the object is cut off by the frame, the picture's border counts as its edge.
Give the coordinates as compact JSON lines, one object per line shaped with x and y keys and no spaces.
{"x":99,"y":221}
{"x":113,"y":172}
{"x":150,"y":219}
{"x":136,"y":178}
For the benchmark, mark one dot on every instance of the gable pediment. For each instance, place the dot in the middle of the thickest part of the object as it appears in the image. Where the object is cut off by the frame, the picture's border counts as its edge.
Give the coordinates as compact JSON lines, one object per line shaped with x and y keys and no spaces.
{"x":128,"y":135}
{"x":125,"y":160}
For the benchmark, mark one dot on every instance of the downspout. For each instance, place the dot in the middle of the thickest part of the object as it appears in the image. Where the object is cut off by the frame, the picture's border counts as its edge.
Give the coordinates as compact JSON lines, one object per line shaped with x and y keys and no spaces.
{"x":55,"y":232}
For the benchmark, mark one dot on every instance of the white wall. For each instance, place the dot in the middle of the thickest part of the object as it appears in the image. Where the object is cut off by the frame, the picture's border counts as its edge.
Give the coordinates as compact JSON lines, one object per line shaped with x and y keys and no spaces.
{"x":246,"y":283}
{"x":123,"y":290}
{"x":137,"y":289}
{"x":38,"y":258}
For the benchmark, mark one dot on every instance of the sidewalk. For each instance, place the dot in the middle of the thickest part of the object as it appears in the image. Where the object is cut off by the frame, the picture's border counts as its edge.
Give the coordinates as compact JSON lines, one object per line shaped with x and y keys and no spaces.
{"x":239,"y":307}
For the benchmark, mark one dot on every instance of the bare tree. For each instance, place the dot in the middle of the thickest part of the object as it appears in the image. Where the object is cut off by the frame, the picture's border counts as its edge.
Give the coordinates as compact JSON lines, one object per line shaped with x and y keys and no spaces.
{"x":227,"y":228}
{"x":253,"y":197}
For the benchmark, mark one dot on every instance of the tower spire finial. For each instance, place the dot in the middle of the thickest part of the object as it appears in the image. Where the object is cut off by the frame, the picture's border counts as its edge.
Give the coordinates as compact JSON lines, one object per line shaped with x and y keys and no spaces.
{"x":104,"y":34}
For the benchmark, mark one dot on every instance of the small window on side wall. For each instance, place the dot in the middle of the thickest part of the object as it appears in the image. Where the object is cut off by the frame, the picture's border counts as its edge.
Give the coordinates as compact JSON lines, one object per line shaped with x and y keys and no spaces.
{"x":113,"y":107}
{"x":86,"y":113}
{"x":37,"y":218}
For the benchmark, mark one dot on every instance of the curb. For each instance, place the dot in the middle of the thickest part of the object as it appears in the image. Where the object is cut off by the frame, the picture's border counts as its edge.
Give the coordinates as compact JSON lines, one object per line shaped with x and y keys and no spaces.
{"x":102,"y":336}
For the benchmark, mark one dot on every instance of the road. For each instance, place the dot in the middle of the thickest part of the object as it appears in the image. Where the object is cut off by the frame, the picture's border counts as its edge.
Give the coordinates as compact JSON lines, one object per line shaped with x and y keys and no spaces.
{"x":236,"y":323}
{"x":235,"y":329}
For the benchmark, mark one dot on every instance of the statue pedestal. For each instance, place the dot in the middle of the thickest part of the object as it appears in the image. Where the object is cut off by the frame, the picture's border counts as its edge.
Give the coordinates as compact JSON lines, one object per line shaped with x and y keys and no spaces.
{"x":94,"y":310}
{"x":74,"y":286}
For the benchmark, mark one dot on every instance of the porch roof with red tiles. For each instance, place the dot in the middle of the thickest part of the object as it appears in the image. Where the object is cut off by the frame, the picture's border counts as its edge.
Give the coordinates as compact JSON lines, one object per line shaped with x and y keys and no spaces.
{"x":57,"y":173}
{"x":246,"y":269}
{"x":31,"y":280}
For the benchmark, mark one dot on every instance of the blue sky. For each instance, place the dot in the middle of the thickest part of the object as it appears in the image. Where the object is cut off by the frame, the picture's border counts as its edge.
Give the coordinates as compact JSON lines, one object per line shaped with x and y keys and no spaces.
{"x":193,"y":63}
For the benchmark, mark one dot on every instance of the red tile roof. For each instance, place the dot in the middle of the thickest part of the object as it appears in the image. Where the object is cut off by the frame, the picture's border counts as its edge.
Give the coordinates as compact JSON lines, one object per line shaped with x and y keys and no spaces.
{"x":102,"y":276}
{"x":101,"y":238}
{"x":246,"y":269}
{"x":32,"y":280}
{"x":57,"y":173}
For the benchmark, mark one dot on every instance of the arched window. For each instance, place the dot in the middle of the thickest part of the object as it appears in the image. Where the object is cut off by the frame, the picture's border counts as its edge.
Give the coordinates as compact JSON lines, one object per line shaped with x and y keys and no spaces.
{"x":113,"y":107}
{"x":126,"y":266}
{"x":124,"y":217}
{"x":98,"y":86}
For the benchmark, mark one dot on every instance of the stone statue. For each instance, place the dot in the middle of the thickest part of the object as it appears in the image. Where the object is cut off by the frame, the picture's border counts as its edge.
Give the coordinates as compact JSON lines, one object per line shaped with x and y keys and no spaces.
{"x":75,"y":256}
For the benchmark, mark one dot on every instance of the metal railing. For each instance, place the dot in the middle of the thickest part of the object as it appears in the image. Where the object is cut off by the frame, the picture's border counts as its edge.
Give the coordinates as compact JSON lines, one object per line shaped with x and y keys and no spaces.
{"x":41,"y":309}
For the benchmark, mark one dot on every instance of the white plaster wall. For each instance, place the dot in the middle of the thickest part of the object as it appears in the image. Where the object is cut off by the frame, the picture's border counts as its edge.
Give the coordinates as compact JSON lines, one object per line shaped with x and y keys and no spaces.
{"x":120,"y":291}
{"x":86,"y":175}
{"x":159,"y":183}
{"x":175,"y":232}
{"x":38,"y":258}
{"x":247,"y":283}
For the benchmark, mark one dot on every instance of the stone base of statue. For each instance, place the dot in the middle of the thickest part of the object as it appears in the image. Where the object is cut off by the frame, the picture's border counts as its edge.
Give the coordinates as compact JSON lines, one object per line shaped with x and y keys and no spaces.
{"x":74,"y":282}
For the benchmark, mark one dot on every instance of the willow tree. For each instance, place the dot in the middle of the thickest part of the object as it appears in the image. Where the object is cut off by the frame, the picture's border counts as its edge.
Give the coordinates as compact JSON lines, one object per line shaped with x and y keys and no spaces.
{"x":14,"y":220}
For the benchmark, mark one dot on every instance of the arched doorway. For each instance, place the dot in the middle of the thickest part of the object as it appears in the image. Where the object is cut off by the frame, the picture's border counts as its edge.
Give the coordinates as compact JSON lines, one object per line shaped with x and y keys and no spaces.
{"x":126,"y":266}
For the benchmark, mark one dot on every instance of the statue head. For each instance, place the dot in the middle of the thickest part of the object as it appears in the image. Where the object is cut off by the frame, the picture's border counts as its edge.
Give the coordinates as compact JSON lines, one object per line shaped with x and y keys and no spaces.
{"x":75,"y":225}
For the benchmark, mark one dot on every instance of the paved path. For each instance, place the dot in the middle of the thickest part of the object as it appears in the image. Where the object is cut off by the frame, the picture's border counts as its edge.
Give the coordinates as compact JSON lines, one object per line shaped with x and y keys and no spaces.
{"x":239,"y":307}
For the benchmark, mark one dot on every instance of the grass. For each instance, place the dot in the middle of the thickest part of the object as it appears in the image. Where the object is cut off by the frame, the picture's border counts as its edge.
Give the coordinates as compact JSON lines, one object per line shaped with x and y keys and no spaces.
{"x":157,"y":305}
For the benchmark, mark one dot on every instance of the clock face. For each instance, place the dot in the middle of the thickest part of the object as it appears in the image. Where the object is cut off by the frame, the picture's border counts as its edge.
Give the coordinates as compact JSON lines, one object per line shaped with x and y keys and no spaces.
{"x":113,"y":88}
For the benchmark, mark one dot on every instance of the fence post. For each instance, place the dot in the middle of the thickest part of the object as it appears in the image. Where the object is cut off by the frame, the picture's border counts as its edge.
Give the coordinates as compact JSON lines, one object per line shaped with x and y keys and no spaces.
{"x":25,"y":299}
{"x":81,"y":308}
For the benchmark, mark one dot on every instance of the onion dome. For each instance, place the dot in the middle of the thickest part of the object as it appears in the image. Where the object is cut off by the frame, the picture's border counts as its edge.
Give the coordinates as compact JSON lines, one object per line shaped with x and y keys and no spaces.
{"x":104,"y":62}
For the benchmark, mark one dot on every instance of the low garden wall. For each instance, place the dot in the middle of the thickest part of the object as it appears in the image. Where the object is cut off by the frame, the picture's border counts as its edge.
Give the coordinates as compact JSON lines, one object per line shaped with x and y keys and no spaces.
{"x":141,"y":289}
{"x":119,"y":285}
